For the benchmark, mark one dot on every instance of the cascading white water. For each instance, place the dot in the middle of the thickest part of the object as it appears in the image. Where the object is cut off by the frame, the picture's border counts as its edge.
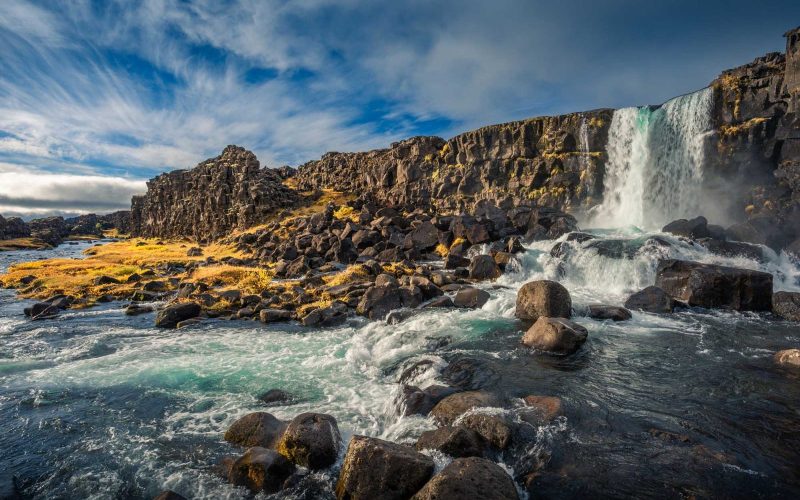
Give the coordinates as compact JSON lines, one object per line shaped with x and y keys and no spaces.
{"x":655,"y":163}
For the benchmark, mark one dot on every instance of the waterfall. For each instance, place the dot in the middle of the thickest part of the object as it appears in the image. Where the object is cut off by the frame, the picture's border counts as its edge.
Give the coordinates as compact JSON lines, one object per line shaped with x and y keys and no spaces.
{"x":655,"y":163}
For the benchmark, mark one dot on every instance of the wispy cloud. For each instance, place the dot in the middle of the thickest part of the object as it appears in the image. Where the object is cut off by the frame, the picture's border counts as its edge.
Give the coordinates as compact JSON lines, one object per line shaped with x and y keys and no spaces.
{"x":126,"y":90}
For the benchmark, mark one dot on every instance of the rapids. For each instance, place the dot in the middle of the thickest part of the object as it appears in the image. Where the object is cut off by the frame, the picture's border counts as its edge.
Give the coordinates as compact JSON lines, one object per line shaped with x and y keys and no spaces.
{"x":94,"y":404}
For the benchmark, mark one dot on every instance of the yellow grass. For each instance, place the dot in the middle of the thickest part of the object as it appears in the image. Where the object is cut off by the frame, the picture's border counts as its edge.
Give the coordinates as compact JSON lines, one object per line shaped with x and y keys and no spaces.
{"x":250,"y":280}
{"x":442,"y":250}
{"x":346,"y":213}
{"x":353,"y":274}
{"x":22,"y":244}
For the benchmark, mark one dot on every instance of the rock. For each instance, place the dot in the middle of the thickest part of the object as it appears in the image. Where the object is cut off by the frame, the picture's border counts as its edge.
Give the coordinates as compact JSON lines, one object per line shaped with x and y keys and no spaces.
{"x":733,"y":249}
{"x":169,"y":495}
{"x":194,"y":252}
{"x":454,"y":441}
{"x":494,"y":429}
{"x":386,"y":280}
{"x":106,"y":280}
{"x":378,"y":469}
{"x":377,"y":301}
{"x":256,"y":429}
{"x":275,"y":397}
{"x":170,"y":316}
{"x":694,"y":228}
{"x":789,"y":358}
{"x":450,"y":408}
{"x":543,"y":298}
{"x":443,"y":301}
{"x":542,"y":409}
{"x":274,"y":315}
{"x":155,"y":286}
{"x":424,"y":237}
{"x":188,"y":322}
{"x":483,"y":267}
{"x":712,"y":286}
{"x":555,"y":335}
{"x":471,"y":298}
{"x":652,"y":299}
{"x":261,"y":469}
{"x":136,"y":309}
{"x":416,"y":401}
{"x":332,"y":315}
{"x":453,"y":261}
{"x":469,"y":478}
{"x":311,"y":440}
{"x":786,"y":305}
{"x":615,"y":313}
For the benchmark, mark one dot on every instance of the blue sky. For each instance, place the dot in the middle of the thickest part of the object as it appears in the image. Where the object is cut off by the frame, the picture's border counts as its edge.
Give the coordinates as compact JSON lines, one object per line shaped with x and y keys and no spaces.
{"x":97,"y":96}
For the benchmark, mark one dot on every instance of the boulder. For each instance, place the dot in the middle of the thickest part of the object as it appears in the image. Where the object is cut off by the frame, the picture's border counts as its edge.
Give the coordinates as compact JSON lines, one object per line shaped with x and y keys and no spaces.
{"x":274,"y":315}
{"x":136,"y":309}
{"x":415,"y":401}
{"x":694,"y":228}
{"x":275,"y":397}
{"x":483,"y":267}
{"x":733,"y":249}
{"x":555,"y":335}
{"x":712,"y":286}
{"x":311,"y":440}
{"x":443,"y":301}
{"x":786,"y":305}
{"x":194,"y":252}
{"x":450,"y":408}
{"x":454,"y":261}
{"x":541,"y":409}
{"x":543,"y":298}
{"x":615,"y":313}
{"x":469,"y":478}
{"x":169,"y":495}
{"x":261,"y":469}
{"x":256,"y":429}
{"x":454,"y":441}
{"x":375,"y":469}
{"x":471,"y":298}
{"x":652,"y":299}
{"x":423,"y":238}
{"x":494,"y":429}
{"x":788,"y":358}
{"x":106,"y":280}
{"x":170,"y":316}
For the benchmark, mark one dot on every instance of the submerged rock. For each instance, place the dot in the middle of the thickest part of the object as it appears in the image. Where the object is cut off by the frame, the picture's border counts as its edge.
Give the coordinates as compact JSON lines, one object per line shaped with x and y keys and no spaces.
{"x":473,"y":478}
{"x":450,"y":408}
{"x":378,"y":469}
{"x":136,"y":309}
{"x":712,"y":286}
{"x":456,"y":441}
{"x":275,"y":397}
{"x":787,"y":305}
{"x":543,"y":298}
{"x":256,"y":429}
{"x":169,"y":495}
{"x":311,"y":440}
{"x":555,"y":335}
{"x":170,"y":316}
{"x":651,"y":299}
{"x":788,"y":358}
{"x":615,"y":313}
{"x":261,"y":469}
{"x":694,"y":228}
{"x":541,"y":409}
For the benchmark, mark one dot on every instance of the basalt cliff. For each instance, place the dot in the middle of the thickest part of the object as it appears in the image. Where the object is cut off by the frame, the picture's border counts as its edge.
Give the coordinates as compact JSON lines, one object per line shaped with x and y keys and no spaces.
{"x":555,"y":161}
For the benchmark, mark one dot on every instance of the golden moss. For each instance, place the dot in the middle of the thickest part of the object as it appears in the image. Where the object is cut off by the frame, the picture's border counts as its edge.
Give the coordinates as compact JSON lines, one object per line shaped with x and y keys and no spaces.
{"x":457,"y":241}
{"x":22,"y":244}
{"x":429,"y":157}
{"x":346,"y":212}
{"x":250,"y":280}
{"x":398,"y":269}
{"x":352,"y":274}
{"x":596,"y":122}
{"x":729,"y":130}
{"x":304,"y":309}
{"x":442,"y":250}
{"x":445,"y":149}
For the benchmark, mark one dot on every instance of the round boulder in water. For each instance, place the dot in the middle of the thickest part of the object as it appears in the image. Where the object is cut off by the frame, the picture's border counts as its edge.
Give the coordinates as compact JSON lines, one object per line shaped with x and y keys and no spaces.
{"x":256,"y":429}
{"x":450,"y":408}
{"x":483,"y":267}
{"x":786,"y":305}
{"x":543,"y":298}
{"x":652,"y":299}
{"x":555,"y":335}
{"x":374,"y":468}
{"x":788,"y":358}
{"x":470,"y":477}
{"x":260,"y":469}
{"x":454,"y":441}
{"x":615,"y":313}
{"x":311,"y":440}
{"x":170,"y":316}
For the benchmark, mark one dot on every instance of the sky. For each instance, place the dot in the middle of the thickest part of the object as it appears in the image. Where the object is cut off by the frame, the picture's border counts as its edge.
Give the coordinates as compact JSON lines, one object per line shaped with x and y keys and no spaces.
{"x":96,"y":97}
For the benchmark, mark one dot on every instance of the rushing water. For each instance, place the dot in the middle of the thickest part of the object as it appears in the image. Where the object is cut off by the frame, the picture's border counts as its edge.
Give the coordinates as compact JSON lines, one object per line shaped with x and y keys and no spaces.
{"x":655,"y":163}
{"x":95,"y":404}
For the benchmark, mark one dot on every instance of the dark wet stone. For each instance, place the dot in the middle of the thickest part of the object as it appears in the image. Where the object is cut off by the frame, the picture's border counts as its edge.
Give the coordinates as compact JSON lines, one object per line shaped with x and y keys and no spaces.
{"x":788,"y":358}
{"x":470,"y":477}
{"x":261,"y":469}
{"x":541,"y":409}
{"x":694,"y":228}
{"x":615,"y":313}
{"x":555,"y":335}
{"x":256,"y":429}
{"x":454,"y":441}
{"x":471,"y":298}
{"x":543,"y":298}
{"x":494,"y":429}
{"x":443,"y":301}
{"x":483,"y":267}
{"x":651,"y":299}
{"x":468,"y":374}
{"x":169,"y":495}
{"x":786,"y":305}
{"x":311,"y":440}
{"x":275,"y":397}
{"x":378,"y":469}
{"x":275,"y":315}
{"x":170,"y":316}
{"x":453,"y":406}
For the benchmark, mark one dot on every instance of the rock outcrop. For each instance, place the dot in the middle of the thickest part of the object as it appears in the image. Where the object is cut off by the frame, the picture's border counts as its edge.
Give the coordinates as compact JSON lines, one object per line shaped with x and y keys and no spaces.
{"x":13,"y":227}
{"x":218,"y":196}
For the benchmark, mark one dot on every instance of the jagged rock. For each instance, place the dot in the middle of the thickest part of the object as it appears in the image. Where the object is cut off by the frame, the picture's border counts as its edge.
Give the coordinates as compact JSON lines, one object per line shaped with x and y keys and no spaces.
{"x":651,"y":299}
{"x":311,"y":440}
{"x":332,"y":315}
{"x":470,"y":477}
{"x":256,"y":429}
{"x":471,"y":298}
{"x":454,"y":261}
{"x":483,"y":267}
{"x":789,"y":358}
{"x":454,"y":441}
{"x":216,"y":197}
{"x":712,"y":286}
{"x":423,"y":237}
{"x":13,"y":227}
{"x":378,"y":469}
{"x":170,"y":316}
{"x":555,"y":335}
{"x":786,"y":305}
{"x":450,"y":408}
{"x":615,"y":313}
{"x":694,"y":228}
{"x":261,"y":469}
{"x":543,"y":298}
{"x":51,"y":230}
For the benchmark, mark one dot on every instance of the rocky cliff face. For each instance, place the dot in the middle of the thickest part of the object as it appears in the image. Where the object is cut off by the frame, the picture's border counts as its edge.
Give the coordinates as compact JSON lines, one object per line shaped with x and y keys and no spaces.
{"x":555,"y":161}
{"x":13,"y":227}
{"x":219,"y":195}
